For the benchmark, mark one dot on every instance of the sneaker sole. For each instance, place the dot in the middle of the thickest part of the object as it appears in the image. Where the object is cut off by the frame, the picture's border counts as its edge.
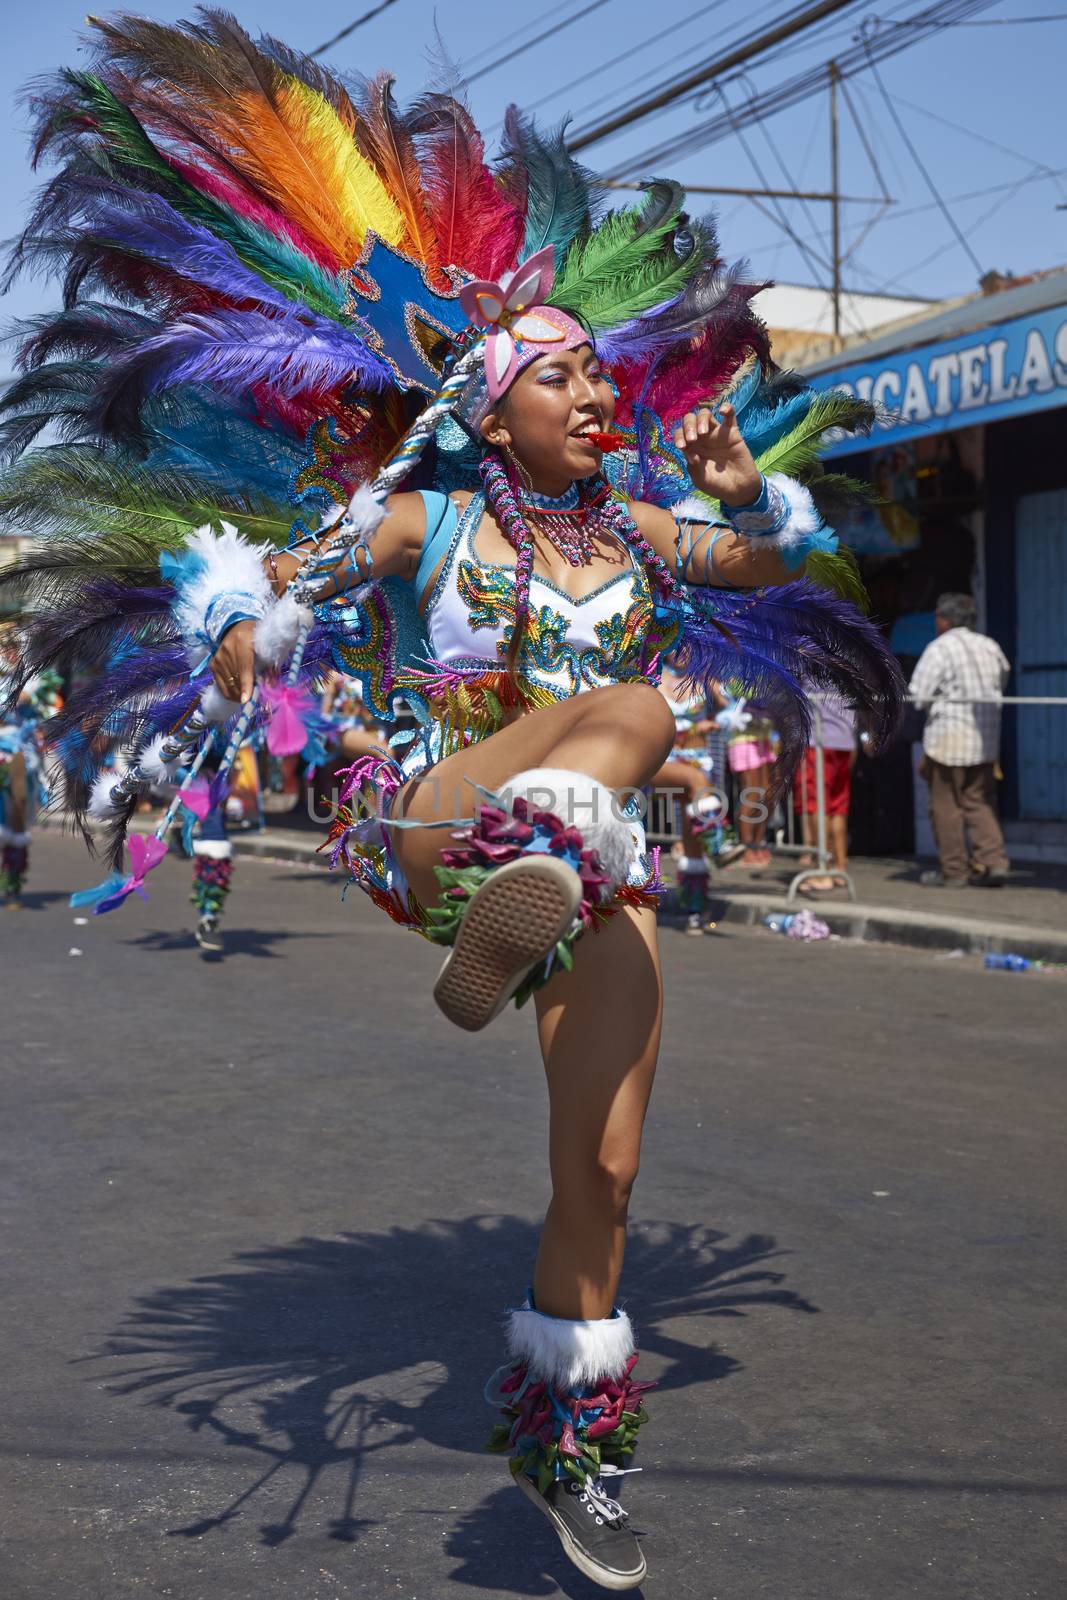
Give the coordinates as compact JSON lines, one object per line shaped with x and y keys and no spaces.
{"x":584,"y":1562}
{"x":511,"y":923}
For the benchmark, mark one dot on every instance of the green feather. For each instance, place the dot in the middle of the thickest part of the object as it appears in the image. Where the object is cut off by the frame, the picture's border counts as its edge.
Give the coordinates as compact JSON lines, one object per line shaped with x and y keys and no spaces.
{"x":797,"y":452}
{"x":627,"y":265}
{"x":58,"y":490}
{"x":839,"y":573}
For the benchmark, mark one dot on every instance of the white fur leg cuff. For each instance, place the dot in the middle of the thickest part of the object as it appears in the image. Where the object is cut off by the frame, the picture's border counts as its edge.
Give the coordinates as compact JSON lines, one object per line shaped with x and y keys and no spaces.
{"x":581,"y":802}
{"x":568,"y":1354}
{"x":213,"y":849}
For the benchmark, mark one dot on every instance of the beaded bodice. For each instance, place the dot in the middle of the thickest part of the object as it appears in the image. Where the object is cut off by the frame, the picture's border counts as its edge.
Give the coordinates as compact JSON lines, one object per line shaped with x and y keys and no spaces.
{"x":612,"y":635}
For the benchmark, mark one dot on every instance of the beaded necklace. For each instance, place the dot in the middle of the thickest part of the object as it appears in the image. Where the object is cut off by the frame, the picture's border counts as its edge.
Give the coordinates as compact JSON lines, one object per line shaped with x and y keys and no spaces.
{"x":564,"y":520}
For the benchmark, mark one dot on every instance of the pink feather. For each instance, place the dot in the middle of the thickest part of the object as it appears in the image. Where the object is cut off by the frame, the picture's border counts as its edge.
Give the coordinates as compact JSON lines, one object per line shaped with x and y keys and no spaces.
{"x":704,"y":367}
{"x":196,"y":798}
{"x":289,"y":708}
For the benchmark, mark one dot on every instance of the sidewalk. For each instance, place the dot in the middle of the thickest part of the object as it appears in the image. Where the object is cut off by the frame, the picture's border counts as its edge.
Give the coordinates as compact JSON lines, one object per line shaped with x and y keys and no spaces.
{"x":1028,"y":916}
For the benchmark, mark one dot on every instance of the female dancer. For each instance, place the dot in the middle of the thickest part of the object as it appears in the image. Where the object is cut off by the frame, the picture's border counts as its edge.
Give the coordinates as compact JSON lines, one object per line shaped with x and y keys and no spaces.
{"x":332,"y":299}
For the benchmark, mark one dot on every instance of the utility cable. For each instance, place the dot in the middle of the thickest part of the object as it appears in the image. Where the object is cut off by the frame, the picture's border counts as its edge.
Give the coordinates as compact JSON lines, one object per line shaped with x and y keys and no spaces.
{"x":634,"y":49}
{"x":932,"y":19}
{"x":352,"y":26}
{"x":488,"y":50}
{"x":528,"y":44}
{"x":898,"y":123}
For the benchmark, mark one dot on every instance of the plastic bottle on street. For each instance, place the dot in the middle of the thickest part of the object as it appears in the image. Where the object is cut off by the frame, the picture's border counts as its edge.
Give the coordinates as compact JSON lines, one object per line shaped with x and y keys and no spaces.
{"x":1007,"y":963}
{"x":780,"y":922}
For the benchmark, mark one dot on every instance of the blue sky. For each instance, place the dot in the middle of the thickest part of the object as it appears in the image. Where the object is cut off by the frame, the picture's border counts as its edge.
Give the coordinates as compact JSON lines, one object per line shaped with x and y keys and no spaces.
{"x":1002,"y":82}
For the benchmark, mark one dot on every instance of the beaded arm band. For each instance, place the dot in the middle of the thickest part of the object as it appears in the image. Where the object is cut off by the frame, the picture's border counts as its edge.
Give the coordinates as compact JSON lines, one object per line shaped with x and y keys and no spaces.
{"x":782,"y":517}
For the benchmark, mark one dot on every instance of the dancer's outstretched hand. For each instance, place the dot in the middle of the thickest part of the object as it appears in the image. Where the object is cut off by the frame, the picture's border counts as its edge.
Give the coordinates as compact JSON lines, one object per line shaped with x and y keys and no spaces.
{"x":233,"y":666}
{"x":717,"y":456}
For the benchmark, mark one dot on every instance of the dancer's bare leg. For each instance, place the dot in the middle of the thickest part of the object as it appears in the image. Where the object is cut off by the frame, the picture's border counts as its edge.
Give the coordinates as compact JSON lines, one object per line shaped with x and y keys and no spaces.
{"x":619,"y":736}
{"x":17,"y":794}
{"x":690,"y":782}
{"x":600,"y":1059}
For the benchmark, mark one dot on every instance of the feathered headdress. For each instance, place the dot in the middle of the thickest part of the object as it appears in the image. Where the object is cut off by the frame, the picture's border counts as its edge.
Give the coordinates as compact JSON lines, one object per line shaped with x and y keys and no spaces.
{"x":265,"y":275}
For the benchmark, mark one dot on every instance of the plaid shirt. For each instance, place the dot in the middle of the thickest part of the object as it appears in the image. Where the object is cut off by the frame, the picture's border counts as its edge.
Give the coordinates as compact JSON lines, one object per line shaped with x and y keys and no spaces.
{"x":961,"y":665}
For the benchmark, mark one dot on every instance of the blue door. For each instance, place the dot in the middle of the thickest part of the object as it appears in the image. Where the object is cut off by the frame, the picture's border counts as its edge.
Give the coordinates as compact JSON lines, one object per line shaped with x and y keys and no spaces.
{"x":1041,"y":663}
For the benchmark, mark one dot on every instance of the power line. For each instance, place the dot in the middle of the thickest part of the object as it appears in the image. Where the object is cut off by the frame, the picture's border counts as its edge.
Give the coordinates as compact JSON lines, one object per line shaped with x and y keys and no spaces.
{"x":614,"y":61}
{"x":487,"y":50}
{"x":528,"y":44}
{"x":898,"y":123}
{"x":1012,"y":22}
{"x":972,"y":133}
{"x":352,"y":26}
{"x":790,"y":23}
{"x":933,"y":19}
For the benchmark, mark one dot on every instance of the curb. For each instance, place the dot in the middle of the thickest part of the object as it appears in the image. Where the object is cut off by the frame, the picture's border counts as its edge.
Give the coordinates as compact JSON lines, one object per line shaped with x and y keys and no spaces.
{"x":871,"y":924}
{"x":923,"y":930}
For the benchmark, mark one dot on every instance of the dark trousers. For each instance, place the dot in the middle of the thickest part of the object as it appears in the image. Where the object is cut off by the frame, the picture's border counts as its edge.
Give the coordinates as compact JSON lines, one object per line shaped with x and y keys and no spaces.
{"x":963,"y":806}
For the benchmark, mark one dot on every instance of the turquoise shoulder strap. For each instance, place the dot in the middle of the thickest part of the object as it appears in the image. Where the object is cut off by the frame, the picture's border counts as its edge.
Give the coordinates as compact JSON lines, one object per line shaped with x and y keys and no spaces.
{"x":441,"y":518}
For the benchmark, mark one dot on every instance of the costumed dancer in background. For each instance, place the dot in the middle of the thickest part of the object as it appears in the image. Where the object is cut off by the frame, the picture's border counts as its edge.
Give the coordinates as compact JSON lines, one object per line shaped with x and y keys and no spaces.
{"x":563,"y":452}
{"x":23,"y":705}
{"x":689,"y":774}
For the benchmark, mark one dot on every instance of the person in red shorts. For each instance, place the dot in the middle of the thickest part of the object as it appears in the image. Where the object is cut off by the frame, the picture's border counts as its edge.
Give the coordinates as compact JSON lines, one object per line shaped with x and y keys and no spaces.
{"x":838,"y":738}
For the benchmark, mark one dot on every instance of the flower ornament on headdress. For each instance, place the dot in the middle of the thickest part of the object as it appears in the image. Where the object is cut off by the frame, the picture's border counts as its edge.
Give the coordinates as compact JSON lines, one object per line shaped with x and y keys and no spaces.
{"x":521,"y":327}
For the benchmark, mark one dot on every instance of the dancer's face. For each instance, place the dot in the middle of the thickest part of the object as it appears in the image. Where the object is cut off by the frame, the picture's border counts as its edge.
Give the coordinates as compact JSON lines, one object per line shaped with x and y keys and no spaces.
{"x":542,"y":417}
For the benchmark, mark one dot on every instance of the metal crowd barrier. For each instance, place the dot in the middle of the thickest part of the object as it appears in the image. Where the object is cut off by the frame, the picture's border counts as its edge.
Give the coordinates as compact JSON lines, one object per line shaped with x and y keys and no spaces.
{"x":662,"y":817}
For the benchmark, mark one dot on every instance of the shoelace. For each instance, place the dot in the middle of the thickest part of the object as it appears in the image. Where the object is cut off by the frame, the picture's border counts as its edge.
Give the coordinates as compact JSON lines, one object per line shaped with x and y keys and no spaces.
{"x":607,"y":1509}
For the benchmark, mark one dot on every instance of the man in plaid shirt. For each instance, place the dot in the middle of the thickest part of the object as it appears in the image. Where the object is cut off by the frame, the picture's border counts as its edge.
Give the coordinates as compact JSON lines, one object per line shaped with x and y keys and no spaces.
{"x":961,"y":744}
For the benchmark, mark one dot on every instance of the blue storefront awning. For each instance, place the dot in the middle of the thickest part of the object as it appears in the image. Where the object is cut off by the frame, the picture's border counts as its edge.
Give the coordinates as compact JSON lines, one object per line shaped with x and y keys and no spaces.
{"x":1004,"y":369}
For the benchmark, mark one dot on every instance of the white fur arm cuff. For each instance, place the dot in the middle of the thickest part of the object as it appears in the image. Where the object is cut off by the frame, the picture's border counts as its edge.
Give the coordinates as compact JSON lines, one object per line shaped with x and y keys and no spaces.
{"x":220,"y":580}
{"x":783,"y":518}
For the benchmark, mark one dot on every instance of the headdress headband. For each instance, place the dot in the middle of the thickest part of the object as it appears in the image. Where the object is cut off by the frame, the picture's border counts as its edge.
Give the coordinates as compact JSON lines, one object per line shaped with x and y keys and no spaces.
{"x":521,"y":327}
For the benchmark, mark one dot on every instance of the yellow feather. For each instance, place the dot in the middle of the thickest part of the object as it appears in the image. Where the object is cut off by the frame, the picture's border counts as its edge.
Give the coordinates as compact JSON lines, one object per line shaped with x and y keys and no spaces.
{"x":361,"y":196}
{"x":297,"y":150}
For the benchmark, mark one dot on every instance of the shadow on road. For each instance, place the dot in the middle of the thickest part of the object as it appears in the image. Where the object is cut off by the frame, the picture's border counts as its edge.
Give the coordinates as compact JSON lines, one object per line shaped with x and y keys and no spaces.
{"x":317,"y":1355}
{"x":236,"y":941}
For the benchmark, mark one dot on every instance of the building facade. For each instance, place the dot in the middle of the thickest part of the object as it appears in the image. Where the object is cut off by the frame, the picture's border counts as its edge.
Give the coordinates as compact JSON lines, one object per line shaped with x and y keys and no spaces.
{"x":970,"y":457}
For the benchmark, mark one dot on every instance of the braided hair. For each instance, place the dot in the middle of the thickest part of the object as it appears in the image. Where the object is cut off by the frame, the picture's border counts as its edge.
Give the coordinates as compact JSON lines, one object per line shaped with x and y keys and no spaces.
{"x":502,"y":498}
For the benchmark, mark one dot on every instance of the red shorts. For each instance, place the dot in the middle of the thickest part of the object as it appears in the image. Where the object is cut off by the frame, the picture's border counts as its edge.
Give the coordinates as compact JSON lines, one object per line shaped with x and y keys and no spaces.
{"x":837,"y":772}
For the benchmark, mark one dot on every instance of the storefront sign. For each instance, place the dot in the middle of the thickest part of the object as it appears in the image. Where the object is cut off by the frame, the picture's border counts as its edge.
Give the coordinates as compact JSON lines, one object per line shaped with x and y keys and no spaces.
{"x":1002,"y":371}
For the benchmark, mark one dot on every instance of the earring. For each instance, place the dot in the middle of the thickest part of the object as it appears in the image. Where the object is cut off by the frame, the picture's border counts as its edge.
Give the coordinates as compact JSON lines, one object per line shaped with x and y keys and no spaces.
{"x":520,"y":471}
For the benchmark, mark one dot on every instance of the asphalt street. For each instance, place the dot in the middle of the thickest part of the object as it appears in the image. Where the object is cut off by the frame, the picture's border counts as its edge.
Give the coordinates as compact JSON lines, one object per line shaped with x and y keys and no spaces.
{"x":261,"y":1217}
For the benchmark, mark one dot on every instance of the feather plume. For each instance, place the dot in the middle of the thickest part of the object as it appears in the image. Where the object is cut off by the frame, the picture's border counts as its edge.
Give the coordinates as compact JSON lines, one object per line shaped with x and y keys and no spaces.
{"x":388,"y":143}
{"x":479,"y":228}
{"x":796,"y":450}
{"x":278,"y":132}
{"x":233,"y":350}
{"x":714,"y":295}
{"x":558,"y":198}
{"x":627,"y":265}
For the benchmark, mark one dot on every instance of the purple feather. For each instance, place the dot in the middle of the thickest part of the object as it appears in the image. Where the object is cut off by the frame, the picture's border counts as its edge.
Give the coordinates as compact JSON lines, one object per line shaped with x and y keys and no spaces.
{"x":147,"y":226}
{"x":238,"y":350}
{"x":781,"y":644}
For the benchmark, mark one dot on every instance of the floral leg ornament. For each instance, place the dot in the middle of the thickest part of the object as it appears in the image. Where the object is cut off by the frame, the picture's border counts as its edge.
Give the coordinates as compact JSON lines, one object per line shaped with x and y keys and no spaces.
{"x":14,"y":861}
{"x":572,"y":1411}
{"x":541,"y":863}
